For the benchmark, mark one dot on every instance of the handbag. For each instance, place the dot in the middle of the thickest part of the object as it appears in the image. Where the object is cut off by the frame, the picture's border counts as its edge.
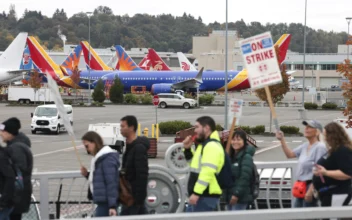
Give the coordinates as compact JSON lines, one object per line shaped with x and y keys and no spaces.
{"x":299,"y":189}
{"x":125,"y":192}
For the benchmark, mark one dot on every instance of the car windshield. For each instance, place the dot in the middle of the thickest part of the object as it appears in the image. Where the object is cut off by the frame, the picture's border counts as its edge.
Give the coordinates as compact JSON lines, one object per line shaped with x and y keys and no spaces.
{"x":46,"y":112}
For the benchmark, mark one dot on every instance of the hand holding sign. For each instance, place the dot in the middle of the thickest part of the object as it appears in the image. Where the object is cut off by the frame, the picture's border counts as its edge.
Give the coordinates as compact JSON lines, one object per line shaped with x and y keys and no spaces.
{"x":262,"y":65}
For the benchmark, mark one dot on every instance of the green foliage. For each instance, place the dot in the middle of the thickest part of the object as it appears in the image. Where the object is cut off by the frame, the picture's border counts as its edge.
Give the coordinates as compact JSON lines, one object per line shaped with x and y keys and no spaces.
{"x":81,"y":104}
{"x":164,"y":32}
{"x":247,"y":129}
{"x":289,"y":129}
{"x":98,"y":94}
{"x":206,"y":99}
{"x":116,"y":91}
{"x":131,"y":98}
{"x":188,"y":96}
{"x":309,"y":105}
{"x":171,"y":127}
{"x":329,"y":105}
{"x":259,"y":129}
{"x":219,"y":127}
{"x":146,"y":99}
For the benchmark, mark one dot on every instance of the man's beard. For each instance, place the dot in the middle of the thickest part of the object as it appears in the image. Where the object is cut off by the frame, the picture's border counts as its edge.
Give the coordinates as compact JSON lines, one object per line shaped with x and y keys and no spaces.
{"x":201,"y":138}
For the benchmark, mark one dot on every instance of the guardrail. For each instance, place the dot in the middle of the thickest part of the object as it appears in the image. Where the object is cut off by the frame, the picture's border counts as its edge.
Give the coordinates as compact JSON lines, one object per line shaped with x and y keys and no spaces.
{"x":64,"y":194}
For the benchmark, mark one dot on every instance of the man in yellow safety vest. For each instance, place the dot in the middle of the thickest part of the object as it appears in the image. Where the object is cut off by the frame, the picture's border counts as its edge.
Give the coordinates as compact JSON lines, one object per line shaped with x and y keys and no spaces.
{"x":205,"y":162}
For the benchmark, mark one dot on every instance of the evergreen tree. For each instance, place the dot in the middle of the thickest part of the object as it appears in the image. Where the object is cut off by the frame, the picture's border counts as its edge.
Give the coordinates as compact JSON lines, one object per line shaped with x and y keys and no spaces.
{"x":98,"y":94}
{"x":116,"y":91}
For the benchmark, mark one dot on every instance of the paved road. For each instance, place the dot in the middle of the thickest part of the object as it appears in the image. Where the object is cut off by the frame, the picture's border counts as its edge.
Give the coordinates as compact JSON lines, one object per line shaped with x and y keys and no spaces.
{"x":55,"y":153}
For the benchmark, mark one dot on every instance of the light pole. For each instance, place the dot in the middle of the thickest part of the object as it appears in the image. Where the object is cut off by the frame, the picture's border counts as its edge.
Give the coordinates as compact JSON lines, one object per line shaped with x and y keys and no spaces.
{"x":89,"y":14}
{"x":348,"y":19}
{"x":226,"y":73}
{"x":304,"y":53}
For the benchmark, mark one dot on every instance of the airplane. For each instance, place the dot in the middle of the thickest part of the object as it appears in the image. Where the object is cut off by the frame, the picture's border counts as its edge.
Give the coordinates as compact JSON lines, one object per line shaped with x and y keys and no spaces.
{"x":168,"y":81}
{"x":185,"y":64}
{"x":10,"y":58}
{"x":61,"y":74}
{"x":96,"y":63}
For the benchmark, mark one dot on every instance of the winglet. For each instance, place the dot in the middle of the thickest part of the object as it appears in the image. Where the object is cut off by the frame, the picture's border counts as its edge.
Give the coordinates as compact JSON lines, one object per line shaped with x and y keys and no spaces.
{"x":199,"y":77}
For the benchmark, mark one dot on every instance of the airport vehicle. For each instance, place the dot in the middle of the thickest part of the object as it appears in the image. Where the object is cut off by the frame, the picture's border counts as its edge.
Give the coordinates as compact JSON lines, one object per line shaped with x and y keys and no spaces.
{"x":10,"y":60}
{"x":46,"y":118}
{"x":172,"y":99}
{"x":110,"y":132}
{"x":26,"y":94}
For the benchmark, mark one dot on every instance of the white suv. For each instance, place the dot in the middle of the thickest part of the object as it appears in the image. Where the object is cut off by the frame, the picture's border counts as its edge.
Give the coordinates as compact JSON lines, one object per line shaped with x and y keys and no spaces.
{"x":172,"y":99}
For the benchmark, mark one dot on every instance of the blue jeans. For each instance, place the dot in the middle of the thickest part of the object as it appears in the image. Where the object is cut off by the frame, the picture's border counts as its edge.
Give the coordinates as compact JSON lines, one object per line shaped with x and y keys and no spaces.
{"x":301,"y":203}
{"x":102,"y":210}
{"x":204,"y":204}
{"x":237,"y":207}
{"x":5,"y":213}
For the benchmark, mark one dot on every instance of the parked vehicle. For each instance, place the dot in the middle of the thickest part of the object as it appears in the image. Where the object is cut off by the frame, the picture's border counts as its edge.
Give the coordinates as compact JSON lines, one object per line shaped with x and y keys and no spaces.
{"x":46,"y":118}
{"x":26,"y":95}
{"x":172,"y":99}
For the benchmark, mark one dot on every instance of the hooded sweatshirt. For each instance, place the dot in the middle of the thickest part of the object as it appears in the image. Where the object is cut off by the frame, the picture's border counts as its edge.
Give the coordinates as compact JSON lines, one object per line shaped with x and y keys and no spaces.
{"x":135,"y":166}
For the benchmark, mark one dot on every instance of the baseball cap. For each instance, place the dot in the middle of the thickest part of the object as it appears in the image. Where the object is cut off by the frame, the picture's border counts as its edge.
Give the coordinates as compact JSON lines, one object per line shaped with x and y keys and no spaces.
{"x":313,"y":124}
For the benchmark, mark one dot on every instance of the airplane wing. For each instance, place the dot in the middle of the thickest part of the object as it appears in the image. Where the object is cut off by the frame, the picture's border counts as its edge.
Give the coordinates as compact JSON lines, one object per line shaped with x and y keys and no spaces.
{"x":190,"y":83}
{"x":290,"y":72}
{"x":18,"y":72}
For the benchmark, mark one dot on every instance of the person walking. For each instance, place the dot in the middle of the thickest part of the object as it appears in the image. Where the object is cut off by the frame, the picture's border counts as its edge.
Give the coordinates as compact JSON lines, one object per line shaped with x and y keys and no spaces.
{"x":18,"y":148}
{"x":135,"y":165}
{"x":333,"y":173}
{"x":241,"y":154}
{"x":308,"y":154}
{"x":7,"y":179}
{"x":208,"y":159}
{"x":103,"y":176}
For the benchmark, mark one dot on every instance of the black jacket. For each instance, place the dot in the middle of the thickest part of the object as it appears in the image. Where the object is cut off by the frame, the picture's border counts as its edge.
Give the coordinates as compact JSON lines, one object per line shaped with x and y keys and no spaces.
{"x":135,"y":166}
{"x":21,"y":154}
{"x":7,"y":179}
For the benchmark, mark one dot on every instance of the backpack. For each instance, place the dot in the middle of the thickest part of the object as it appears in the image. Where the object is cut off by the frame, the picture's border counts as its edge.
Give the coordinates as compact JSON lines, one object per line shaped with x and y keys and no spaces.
{"x":255,"y":180}
{"x":224,"y":177}
{"x":18,"y":184}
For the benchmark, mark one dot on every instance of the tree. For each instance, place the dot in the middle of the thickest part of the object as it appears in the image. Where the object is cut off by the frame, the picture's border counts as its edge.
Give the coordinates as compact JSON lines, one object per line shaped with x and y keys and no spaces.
{"x":35,"y":82}
{"x":98,"y":94}
{"x":278,"y":91}
{"x":345,"y":69}
{"x":116,"y":91}
{"x":75,"y":77}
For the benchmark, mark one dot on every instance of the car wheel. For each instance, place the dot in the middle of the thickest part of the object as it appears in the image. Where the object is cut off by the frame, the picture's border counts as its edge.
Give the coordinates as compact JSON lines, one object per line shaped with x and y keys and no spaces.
{"x":57,"y":132}
{"x":34,"y":131}
{"x":163,"y":105}
{"x":186,"y":105}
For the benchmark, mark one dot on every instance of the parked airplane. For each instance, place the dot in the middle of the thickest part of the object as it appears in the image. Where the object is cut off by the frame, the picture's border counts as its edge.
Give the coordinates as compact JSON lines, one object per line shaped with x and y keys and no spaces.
{"x":185,"y":64}
{"x":96,"y":63}
{"x":168,"y":81}
{"x":10,"y":60}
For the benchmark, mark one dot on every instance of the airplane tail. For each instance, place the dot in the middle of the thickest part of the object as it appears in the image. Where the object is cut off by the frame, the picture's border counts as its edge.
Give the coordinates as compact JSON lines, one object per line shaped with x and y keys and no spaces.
{"x":157,"y":63}
{"x":96,"y":63}
{"x":27,"y":62}
{"x":283,"y":43}
{"x":145,"y":63}
{"x":41,"y":58}
{"x":125,"y":62}
{"x":72,"y":61}
{"x":185,"y":64}
{"x":14,"y":52}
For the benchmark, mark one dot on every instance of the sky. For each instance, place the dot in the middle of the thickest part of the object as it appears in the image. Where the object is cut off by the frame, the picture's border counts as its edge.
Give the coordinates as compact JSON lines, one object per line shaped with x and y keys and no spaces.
{"x":329,"y":15}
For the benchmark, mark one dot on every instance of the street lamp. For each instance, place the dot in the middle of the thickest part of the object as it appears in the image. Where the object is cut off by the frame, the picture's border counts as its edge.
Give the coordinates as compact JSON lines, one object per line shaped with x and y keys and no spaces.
{"x":304,"y":54}
{"x":226,"y":73}
{"x":348,"y":19}
{"x":89,"y":55}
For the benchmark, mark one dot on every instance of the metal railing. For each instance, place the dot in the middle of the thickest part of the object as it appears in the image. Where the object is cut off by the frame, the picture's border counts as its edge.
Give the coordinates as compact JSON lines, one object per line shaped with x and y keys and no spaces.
{"x":64,"y":194}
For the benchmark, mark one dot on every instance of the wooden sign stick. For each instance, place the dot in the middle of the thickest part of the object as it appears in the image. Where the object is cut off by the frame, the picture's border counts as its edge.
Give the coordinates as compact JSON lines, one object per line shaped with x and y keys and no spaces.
{"x":272,"y":109}
{"x":228,"y":144}
{"x":75,"y":147}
